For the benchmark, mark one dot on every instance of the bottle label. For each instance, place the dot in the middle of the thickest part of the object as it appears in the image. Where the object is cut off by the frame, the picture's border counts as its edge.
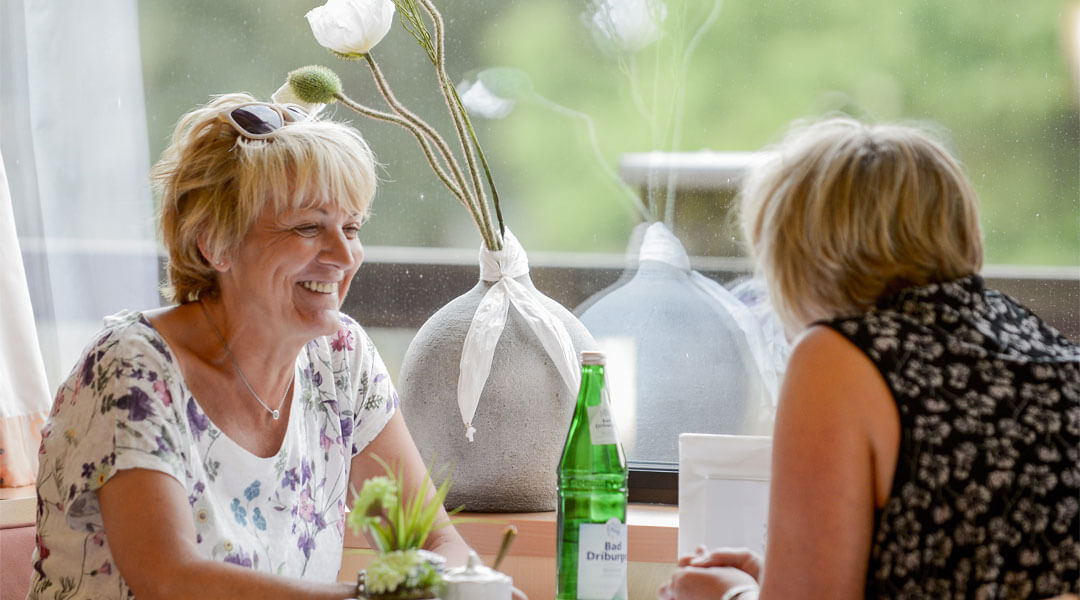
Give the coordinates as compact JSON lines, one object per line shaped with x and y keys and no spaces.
{"x":602,"y":560}
{"x":601,"y":425}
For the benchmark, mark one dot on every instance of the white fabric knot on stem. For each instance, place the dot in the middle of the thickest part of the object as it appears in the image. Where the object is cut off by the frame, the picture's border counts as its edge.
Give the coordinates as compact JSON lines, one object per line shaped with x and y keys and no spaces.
{"x":489,"y":320}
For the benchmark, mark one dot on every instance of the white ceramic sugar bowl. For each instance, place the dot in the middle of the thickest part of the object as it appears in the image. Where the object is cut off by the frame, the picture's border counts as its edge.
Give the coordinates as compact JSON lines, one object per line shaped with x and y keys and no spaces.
{"x":474,"y":581}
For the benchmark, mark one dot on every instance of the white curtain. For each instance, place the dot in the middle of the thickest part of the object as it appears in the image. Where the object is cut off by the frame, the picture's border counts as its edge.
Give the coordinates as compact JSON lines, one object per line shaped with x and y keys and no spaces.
{"x":73,"y":139}
{"x":24,"y":394}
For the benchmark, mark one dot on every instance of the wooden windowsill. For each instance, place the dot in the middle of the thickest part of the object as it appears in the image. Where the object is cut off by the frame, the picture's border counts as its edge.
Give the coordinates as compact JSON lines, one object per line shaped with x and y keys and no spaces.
{"x":653,"y":546}
{"x":653,"y":537}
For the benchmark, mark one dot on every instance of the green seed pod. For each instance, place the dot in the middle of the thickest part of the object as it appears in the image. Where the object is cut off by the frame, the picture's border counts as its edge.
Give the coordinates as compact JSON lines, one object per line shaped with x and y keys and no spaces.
{"x":315,"y":84}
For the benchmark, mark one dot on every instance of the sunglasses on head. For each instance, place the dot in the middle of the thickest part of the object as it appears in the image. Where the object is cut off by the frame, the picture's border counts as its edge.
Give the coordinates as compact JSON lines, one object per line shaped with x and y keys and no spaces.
{"x":259,"y":120}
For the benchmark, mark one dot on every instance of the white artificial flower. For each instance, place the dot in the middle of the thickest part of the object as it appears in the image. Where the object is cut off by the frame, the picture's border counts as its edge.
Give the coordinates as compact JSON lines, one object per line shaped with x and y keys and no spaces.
{"x":627,"y":26}
{"x":351,"y":26}
{"x":480,"y":101}
{"x":286,"y":95}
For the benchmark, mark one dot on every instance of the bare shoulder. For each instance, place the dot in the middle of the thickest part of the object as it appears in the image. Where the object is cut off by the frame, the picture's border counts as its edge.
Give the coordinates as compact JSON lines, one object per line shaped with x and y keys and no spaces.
{"x":175,"y":325}
{"x":819,"y":339}
{"x":826,"y":360}
{"x":830,"y":376}
{"x":169,"y":317}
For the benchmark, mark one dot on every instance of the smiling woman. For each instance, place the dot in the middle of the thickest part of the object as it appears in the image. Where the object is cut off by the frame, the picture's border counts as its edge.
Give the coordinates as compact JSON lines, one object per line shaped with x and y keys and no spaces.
{"x":229,"y":426}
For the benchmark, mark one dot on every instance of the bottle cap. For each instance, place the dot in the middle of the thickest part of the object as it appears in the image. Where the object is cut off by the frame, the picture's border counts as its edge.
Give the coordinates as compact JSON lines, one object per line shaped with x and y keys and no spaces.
{"x":592,"y":357}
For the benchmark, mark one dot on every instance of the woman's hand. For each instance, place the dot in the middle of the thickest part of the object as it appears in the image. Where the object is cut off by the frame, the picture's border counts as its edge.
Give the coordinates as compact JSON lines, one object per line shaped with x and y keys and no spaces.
{"x":707,"y":574}
{"x":742,"y":559}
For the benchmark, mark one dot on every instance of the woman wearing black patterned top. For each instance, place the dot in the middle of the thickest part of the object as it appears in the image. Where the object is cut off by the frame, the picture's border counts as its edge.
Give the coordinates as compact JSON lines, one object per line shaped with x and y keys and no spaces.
{"x":926,"y":442}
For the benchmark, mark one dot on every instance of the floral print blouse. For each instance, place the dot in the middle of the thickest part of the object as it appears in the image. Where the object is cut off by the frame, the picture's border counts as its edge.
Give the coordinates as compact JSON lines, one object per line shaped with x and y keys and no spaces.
{"x":126,"y":406}
{"x":985,"y":502}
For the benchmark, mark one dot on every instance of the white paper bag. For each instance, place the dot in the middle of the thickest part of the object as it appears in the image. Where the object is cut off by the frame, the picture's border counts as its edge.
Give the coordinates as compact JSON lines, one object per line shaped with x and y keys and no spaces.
{"x":723,"y":491}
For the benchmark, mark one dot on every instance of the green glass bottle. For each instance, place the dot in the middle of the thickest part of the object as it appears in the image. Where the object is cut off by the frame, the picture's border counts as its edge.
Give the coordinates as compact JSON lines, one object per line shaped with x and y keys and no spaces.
{"x":591,"y":552}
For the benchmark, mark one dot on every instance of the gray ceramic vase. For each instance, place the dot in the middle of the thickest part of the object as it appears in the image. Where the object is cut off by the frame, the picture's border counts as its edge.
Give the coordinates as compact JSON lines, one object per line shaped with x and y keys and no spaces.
{"x":684,"y":364}
{"x":521,"y":419}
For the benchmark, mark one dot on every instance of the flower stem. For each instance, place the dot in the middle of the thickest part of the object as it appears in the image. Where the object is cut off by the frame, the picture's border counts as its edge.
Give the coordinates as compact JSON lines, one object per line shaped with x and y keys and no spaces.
{"x":650,"y":122}
{"x":444,"y":149}
{"x":483,"y":161}
{"x":473,"y":191}
{"x":420,"y":137}
{"x":679,"y":102}
{"x":637,"y":206}
{"x":492,"y":239}
{"x":449,"y":93}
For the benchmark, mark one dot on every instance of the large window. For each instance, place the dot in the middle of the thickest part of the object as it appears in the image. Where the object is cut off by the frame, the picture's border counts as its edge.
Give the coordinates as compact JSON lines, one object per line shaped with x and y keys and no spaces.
{"x":995,"y":78}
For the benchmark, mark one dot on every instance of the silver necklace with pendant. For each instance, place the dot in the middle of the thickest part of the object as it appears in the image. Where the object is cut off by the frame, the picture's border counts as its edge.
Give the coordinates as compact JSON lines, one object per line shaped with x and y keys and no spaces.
{"x":274,"y":412}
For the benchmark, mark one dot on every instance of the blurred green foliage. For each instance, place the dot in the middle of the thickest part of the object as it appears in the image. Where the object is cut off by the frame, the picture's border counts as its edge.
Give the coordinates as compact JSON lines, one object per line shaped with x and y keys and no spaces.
{"x":994,"y":75}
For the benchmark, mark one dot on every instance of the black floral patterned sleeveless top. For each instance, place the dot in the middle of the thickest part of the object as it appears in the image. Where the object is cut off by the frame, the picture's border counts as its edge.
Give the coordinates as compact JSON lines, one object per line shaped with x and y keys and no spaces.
{"x":986,"y":496}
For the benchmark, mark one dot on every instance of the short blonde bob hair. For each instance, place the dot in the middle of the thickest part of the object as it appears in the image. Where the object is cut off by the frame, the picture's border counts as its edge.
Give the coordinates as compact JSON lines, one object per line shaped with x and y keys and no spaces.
{"x":214,"y":183}
{"x":842,"y":215}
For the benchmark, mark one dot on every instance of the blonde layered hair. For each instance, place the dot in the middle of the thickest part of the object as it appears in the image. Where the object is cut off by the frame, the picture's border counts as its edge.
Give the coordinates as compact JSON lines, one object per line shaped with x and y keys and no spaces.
{"x":213,"y":184}
{"x":843,"y":214}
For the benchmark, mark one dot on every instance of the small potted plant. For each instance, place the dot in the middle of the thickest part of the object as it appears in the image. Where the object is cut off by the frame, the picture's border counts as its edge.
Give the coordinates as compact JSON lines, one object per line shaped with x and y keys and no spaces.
{"x":398,"y":521}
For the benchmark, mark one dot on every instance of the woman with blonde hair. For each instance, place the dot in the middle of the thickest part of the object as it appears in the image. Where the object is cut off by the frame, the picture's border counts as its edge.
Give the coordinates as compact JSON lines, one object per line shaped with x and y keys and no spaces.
{"x":928,"y":427}
{"x":205,"y":449}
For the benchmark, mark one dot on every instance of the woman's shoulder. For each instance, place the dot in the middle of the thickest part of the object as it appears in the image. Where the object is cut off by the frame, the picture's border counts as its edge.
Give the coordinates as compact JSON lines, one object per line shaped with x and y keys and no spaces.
{"x":1018,"y":330}
{"x":824,"y":345}
{"x":821,"y":349}
{"x":127,"y":345}
{"x":122,"y":373}
{"x":128,"y":331}
{"x":963,"y":316}
{"x":875,"y":332}
{"x":932,"y":319}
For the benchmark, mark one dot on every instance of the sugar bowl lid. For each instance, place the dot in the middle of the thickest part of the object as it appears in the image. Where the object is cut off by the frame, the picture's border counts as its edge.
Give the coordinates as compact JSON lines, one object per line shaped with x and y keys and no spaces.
{"x":475,"y":572}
